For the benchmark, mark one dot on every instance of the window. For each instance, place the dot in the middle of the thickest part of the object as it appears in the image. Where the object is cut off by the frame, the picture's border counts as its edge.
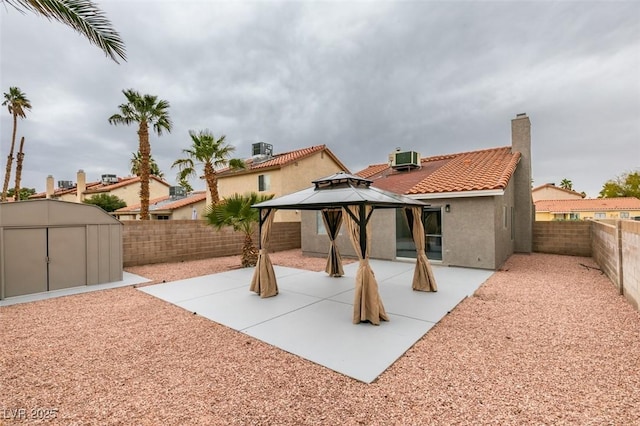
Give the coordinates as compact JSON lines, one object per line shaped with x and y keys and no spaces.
{"x":513,"y":220}
{"x":574,"y":216}
{"x":162,"y":217}
{"x":600,"y":215}
{"x":624,"y":215}
{"x":505,"y":217}
{"x":320,"y":229}
{"x":264,"y":183}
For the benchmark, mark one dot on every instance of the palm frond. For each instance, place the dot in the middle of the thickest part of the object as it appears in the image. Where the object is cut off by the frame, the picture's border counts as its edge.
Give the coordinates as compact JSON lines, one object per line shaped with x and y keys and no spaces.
{"x":84,"y":17}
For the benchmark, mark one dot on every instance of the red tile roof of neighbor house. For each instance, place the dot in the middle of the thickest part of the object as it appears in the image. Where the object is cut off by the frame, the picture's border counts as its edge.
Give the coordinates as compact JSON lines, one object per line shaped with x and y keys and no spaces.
{"x":588,"y":204}
{"x":280,"y":160}
{"x":467,"y":171}
{"x":552,"y":186}
{"x":97,"y":187}
{"x":167,"y":203}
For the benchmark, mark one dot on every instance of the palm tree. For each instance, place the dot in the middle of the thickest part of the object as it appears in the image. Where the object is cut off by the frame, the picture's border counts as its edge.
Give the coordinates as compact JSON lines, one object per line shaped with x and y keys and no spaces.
{"x":145,"y":110}
{"x":566,"y":184}
{"x":81,"y":15}
{"x":210,"y":152}
{"x":186,"y":185}
{"x":236,"y":211}
{"x":20,"y":159}
{"x":154,"y":170}
{"x":17,"y":102}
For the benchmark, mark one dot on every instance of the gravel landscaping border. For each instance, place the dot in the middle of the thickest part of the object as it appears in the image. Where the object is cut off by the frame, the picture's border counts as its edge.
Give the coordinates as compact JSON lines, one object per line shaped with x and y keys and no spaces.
{"x":544,"y":341}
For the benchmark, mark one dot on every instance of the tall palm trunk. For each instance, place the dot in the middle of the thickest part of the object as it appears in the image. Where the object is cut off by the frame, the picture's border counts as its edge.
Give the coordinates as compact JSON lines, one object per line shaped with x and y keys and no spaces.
{"x":145,"y":153}
{"x":7,"y":175}
{"x":20,"y":159}
{"x":212,"y":182}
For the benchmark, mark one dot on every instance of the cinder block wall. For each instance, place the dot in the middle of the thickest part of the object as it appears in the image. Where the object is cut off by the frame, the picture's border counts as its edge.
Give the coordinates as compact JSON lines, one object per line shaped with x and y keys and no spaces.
{"x":571,"y":238}
{"x":616,"y":249}
{"x":630,"y":238}
{"x":147,"y":242}
{"x":606,"y":250}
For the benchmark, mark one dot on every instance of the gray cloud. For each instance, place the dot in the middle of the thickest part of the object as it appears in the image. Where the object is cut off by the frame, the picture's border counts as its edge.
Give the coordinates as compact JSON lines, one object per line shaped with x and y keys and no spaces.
{"x":361,"y":77}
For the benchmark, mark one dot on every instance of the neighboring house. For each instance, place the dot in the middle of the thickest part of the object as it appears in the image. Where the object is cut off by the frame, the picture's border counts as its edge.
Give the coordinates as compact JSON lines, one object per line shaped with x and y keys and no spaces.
{"x":169,"y":207}
{"x":550,"y":191}
{"x":590,"y":208}
{"x":279,"y":174}
{"x":480,"y":210}
{"x":127,"y":188}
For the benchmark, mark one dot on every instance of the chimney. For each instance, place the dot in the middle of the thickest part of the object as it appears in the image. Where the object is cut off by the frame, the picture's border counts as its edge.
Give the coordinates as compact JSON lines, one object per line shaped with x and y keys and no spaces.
{"x":523,"y":202}
{"x":50,"y":189}
{"x":81,"y":185}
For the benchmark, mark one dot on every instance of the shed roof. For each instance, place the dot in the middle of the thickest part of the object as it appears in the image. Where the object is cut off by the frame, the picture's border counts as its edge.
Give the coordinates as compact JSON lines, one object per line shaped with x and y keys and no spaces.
{"x":52,"y":213}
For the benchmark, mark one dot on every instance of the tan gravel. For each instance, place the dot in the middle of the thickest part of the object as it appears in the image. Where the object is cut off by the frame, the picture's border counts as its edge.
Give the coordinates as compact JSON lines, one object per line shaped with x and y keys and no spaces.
{"x":544,"y":341}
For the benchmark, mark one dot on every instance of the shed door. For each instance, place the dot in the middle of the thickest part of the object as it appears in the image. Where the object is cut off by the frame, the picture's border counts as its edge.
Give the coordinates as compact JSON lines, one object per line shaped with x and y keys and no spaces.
{"x":25,"y":261}
{"x":67,"y":257}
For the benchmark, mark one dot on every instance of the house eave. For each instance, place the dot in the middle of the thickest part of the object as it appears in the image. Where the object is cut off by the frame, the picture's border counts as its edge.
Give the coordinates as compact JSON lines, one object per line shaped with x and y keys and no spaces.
{"x":458,"y":194}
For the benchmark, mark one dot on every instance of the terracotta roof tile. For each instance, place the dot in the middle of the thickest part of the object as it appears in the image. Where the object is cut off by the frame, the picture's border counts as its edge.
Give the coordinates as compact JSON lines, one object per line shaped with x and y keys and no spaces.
{"x":468,"y":171}
{"x":552,"y":186}
{"x":280,"y":160}
{"x":166,"y":203}
{"x":98,"y":187}
{"x":588,"y":204}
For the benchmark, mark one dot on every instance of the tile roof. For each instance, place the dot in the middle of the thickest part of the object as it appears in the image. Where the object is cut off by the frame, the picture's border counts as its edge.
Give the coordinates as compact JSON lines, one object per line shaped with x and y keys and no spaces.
{"x":558,"y":188}
{"x":97,"y":187}
{"x":167,"y":203}
{"x":280,"y":160}
{"x":588,"y":204}
{"x":467,"y":171}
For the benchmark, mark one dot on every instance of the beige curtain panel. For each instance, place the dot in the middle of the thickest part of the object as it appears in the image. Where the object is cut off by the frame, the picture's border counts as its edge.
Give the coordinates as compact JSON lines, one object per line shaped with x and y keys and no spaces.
{"x":264,"y":278}
{"x":423,"y":279}
{"x":332,"y":221}
{"x":367,"y":305}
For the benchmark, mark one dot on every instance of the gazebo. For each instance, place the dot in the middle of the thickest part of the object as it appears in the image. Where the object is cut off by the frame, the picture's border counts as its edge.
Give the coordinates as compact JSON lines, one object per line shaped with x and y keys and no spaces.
{"x":353,"y":198}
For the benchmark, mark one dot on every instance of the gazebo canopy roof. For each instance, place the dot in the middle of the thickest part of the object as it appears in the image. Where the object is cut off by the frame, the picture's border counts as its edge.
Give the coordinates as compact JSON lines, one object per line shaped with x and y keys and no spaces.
{"x":339,"y":190}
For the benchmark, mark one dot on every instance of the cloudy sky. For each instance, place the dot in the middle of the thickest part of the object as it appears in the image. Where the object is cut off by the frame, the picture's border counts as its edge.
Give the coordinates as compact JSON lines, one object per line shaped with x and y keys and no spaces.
{"x":361,"y":77}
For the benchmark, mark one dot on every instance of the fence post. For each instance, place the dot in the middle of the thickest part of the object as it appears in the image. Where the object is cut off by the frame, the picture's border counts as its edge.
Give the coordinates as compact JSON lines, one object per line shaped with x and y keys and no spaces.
{"x":620,"y":263}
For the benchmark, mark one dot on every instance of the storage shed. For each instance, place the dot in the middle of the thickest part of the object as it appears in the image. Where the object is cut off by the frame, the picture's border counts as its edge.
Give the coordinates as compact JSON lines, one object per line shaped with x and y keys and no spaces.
{"x":50,"y":245}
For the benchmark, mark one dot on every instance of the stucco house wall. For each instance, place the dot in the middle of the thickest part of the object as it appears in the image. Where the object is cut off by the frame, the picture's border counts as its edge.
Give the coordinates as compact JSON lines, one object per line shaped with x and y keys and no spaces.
{"x":130,"y":194}
{"x":484,"y":199}
{"x":383,"y":242}
{"x":552,"y":192}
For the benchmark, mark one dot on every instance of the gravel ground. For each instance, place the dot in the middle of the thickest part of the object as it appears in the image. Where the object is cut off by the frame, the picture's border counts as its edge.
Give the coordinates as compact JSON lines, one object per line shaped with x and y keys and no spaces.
{"x":543,"y":341}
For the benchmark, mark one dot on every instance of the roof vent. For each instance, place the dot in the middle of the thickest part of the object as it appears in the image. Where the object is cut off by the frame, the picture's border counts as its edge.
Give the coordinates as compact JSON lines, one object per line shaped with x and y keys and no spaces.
{"x":65,"y":184}
{"x":109,"y":179}
{"x":177,"y":192}
{"x":404,"y":159}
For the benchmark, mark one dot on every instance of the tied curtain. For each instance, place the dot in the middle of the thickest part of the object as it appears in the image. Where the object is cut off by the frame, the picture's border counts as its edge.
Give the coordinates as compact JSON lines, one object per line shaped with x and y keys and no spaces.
{"x":423,"y":279}
{"x":367,"y":305}
{"x":264,"y":278}
{"x":332,"y":221}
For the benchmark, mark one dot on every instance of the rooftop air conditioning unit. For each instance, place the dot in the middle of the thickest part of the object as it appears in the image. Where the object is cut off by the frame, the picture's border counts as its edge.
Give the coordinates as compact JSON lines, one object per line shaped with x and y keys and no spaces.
{"x":261,"y":152}
{"x":109,"y":179}
{"x":177,"y":191}
{"x":405,"y":160}
{"x":65,"y":184}
{"x":262,"y":149}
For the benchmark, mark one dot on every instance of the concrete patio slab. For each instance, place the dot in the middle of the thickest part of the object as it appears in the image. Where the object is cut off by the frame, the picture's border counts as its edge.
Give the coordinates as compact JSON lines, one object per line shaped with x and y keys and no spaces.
{"x":312,"y":315}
